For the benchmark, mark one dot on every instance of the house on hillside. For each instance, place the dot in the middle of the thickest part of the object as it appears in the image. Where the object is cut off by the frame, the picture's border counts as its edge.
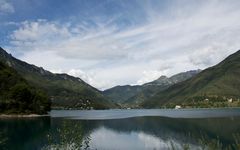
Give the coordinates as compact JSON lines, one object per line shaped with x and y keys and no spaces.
{"x":178,"y":107}
{"x":230,"y":100}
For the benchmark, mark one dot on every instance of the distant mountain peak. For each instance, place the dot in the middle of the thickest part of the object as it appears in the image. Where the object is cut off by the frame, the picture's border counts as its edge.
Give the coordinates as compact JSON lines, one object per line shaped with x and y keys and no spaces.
{"x":135,"y":94}
{"x":162,"y":77}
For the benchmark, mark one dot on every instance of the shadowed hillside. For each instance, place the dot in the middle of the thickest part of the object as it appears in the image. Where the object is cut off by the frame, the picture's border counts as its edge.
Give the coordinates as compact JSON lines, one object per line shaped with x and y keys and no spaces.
{"x":64,"y":90}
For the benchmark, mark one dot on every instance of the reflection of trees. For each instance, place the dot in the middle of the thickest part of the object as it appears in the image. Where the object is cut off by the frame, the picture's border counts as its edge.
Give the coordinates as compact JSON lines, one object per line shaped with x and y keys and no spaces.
{"x":69,"y":136}
{"x":3,"y":140}
{"x":24,"y":133}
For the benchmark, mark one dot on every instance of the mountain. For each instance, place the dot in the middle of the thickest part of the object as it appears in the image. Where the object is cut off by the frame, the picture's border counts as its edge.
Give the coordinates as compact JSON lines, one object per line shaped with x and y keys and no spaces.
{"x":163,"y":80}
{"x":136,"y":94}
{"x":64,"y":90}
{"x":219,"y":83}
{"x":162,"y":83}
{"x":120,"y":94}
{"x":18,"y":97}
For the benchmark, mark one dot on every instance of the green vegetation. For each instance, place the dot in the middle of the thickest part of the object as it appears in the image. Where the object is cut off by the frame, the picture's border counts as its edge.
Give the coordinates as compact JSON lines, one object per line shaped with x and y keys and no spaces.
{"x":218,"y":83}
{"x":17,"y":97}
{"x":206,"y":102}
{"x":205,"y":143}
{"x":213,"y":87}
{"x":68,"y":139}
{"x":65,"y":91}
{"x":133,"y":95}
{"x":120,"y":94}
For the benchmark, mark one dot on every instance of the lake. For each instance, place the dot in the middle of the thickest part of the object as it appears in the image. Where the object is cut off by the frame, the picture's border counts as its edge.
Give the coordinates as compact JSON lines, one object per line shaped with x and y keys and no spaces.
{"x":151,"y":129}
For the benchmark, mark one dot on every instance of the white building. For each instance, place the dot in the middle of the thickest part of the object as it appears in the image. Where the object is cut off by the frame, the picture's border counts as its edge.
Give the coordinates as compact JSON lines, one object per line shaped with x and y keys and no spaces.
{"x":178,"y":107}
{"x":230,"y":100}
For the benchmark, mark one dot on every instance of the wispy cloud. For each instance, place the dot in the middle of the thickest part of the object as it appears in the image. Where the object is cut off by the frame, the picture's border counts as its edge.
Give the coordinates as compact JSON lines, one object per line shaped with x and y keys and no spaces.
{"x":186,"y":35}
{"x":6,"y":7}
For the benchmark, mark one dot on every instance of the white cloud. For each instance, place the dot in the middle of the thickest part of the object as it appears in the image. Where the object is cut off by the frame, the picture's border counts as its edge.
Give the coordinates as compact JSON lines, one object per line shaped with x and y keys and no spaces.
{"x":39,"y":30}
{"x":187,"y":36}
{"x":89,"y":77}
{"x":6,"y":7}
{"x":150,"y":75}
{"x":207,"y":56}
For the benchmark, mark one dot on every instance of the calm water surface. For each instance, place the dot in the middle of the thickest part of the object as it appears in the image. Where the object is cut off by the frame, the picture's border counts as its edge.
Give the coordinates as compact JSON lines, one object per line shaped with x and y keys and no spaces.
{"x":121,"y":129}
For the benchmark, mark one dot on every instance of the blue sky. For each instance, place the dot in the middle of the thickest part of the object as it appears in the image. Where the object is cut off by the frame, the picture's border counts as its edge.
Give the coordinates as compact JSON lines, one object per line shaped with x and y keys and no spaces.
{"x":118,"y":42}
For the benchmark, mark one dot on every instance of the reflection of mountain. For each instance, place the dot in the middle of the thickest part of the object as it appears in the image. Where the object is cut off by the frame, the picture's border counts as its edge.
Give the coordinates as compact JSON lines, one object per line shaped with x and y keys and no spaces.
{"x":32,"y":133}
{"x":168,"y":128}
{"x":165,"y":128}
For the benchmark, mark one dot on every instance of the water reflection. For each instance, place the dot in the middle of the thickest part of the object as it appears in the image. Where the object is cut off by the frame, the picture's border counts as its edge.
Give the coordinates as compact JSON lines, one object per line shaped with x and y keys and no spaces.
{"x":108,"y":139}
{"x":3,"y":140}
{"x":25,"y":133}
{"x":160,"y":133}
{"x":132,"y":133}
{"x":69,"y":135}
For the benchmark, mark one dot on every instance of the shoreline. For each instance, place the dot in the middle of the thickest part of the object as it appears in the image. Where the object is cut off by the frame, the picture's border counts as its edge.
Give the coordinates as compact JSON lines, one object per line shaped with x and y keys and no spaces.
{"x":149,"y":109}
{"x":5,"y":116}
{"x":22,"y":116}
